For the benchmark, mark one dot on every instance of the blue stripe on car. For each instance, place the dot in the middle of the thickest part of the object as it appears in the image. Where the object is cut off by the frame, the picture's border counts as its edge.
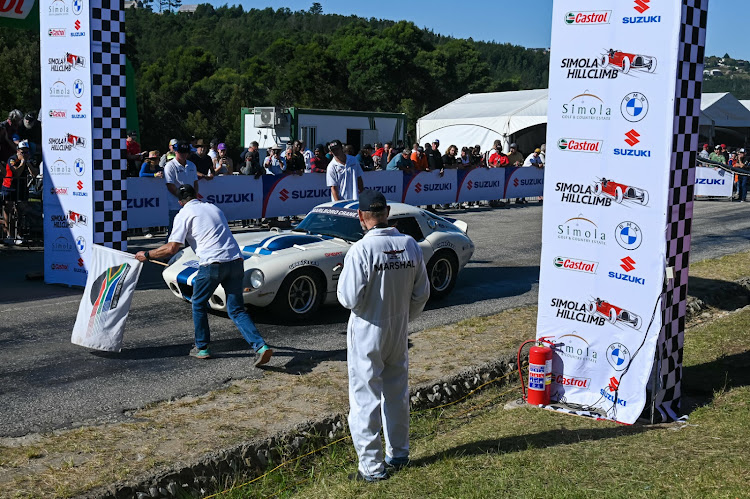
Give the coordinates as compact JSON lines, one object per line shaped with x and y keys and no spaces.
{"x":184,"y":275}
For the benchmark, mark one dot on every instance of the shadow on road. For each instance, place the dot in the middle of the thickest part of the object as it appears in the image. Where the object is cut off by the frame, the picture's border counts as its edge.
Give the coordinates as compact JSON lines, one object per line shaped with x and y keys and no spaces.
{"x":488,"y":283}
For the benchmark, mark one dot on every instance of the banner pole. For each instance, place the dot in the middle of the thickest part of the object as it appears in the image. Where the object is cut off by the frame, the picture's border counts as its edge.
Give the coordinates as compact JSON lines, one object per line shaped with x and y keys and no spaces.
{"x":653,"y":385}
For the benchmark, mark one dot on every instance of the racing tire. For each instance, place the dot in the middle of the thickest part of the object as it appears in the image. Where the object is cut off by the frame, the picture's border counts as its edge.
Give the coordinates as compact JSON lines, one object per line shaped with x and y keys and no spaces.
{"x":598,"y":189}
{"x":300,"y":295}
{"x":442,"y":272}
{"x":603,"y":60}
{"x":644,"y":202}
{"x":619,"y":196}
{"x":625,"y":65}
{"x":612,"y":316}
{"x":591,"y":307}
{"x":652,"y":66}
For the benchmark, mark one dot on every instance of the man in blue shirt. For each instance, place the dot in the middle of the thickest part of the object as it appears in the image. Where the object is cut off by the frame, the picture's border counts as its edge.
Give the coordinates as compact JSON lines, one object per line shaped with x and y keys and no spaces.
{"x":402,"y":162}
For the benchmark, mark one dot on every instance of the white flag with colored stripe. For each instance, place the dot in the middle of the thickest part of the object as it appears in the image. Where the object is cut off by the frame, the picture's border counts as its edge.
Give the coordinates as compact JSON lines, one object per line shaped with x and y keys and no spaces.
{"x":104,"y":307}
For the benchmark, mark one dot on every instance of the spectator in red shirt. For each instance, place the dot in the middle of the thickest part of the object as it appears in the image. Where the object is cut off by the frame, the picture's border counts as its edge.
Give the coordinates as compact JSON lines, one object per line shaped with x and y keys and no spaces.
{"x":498,"y":158}
{"x":135,"y":156}
{"x":319,"y":162}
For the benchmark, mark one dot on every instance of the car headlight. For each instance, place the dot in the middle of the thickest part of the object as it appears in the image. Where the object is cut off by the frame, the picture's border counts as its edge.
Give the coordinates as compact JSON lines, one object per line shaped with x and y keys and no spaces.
{"x":256,"y":278}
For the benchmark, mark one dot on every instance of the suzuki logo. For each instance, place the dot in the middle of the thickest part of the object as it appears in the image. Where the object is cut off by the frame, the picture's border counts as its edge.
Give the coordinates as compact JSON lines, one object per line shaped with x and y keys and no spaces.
{"x":418,"y":188}
{"x":80,"y":262}
{"x":470,"y":184}
{"x":515,"y":182}
{"x":613,"y":384}
{"x":632,"y":138}
{"x":628,"y":264}
{"x":641,"y":6}
{"x":283,"y":194}
{"x":79,"y":185}
{"x":77,"y":24}
{"x":78,"y":107}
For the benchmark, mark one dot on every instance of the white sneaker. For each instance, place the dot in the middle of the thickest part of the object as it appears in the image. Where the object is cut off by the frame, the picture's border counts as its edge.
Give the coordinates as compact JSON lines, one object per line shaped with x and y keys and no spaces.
{"x":148,"y":235}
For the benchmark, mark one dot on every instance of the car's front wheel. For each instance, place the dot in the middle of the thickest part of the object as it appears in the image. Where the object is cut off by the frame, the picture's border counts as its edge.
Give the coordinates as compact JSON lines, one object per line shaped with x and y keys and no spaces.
{"x":442,"y":271}
{"x":300,"y":294}
{"x":625,"y":65}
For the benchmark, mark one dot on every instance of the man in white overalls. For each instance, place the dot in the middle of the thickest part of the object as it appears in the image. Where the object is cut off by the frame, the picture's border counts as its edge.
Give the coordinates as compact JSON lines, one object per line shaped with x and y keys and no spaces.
{"x":384,"y":283}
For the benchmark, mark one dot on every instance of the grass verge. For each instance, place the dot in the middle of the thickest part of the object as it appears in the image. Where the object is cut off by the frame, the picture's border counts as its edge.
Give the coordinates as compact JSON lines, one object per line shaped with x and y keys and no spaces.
{"x":479,"y":449}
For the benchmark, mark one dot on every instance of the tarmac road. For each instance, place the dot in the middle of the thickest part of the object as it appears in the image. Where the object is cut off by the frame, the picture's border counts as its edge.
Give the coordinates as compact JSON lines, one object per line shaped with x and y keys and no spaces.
{"x":47,"y":383}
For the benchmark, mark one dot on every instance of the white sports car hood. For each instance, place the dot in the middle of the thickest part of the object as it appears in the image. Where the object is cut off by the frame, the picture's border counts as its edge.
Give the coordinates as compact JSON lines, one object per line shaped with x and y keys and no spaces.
{"x":269,"y":243}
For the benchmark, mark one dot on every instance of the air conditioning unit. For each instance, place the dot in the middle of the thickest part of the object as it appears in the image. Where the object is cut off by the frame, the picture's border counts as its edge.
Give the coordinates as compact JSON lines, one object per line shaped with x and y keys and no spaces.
{"x":268,"y":117}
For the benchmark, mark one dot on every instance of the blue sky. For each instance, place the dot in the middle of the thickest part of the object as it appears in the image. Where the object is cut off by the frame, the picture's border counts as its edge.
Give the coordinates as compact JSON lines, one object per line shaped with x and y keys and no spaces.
{"x":524,"y":22}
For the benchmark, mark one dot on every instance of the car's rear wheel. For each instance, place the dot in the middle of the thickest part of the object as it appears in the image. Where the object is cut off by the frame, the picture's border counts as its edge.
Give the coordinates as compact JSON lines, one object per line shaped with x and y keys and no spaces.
{"x":300,"y":294}
{"x":625,"y":65}
{"x":618,"y":194}
{"x":442,"y":272}
{"x":652,"y":66}
{"x":644,"y":201}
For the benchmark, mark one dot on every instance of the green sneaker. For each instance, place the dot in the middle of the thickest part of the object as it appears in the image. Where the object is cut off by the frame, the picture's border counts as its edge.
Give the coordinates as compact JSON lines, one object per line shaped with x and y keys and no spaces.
{"x":263,"y":355}
{"x":200,"y":353}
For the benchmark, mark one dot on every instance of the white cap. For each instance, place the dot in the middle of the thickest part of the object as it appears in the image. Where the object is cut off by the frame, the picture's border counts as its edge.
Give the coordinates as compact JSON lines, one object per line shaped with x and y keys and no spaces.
{"x":24,"y":144}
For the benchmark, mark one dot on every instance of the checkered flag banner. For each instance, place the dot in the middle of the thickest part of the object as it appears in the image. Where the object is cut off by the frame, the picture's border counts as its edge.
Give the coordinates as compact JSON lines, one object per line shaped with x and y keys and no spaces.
{"x":680,"y":210}
{"x":108,"y":89}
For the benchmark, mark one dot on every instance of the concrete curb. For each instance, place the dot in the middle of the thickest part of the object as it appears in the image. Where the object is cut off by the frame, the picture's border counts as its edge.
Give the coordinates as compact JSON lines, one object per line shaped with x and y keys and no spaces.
{"x":252,"y":458}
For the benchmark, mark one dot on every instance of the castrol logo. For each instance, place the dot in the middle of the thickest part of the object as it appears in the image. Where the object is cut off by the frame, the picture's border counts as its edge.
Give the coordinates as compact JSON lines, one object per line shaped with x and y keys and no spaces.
{"x":573,"y":381}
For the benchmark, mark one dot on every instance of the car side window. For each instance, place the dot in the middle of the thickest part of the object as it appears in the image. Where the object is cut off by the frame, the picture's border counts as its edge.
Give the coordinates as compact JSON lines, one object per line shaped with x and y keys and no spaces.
{"x":409,"y":226}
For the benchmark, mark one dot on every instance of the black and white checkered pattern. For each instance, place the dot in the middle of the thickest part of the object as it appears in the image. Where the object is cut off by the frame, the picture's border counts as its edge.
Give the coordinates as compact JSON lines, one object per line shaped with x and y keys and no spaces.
{"x":108,"y":110}
{"x":680,"y":209}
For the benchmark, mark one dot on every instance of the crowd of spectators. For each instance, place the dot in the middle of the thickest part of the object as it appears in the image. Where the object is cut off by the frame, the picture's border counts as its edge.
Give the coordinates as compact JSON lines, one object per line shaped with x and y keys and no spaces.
{"x":734,"y":157}
{"x":20,"y":151}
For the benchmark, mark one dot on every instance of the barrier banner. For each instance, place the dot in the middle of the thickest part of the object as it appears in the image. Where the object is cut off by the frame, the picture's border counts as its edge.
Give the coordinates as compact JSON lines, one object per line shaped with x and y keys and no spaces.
{"x":65,"y":48}
{"x":713,"y":182}
{"x":618,"y":178}
{"x":293,"y":194}
{"x":389,"y":183}
{"x":430,"y":188}
{"x":238,"y":196}
{"x":523,"y":182}
{"x":147,"y":202}
{"x":480,"y":184}
{"x":106,"y":299}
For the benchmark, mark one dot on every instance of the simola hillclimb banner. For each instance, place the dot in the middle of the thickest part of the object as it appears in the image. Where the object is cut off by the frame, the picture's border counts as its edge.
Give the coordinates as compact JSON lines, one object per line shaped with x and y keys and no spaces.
{"x":624,"y":99}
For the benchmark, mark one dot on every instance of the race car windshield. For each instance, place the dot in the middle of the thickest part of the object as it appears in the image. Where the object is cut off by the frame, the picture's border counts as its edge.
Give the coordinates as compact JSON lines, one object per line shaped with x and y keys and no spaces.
{"x":342,"y":225}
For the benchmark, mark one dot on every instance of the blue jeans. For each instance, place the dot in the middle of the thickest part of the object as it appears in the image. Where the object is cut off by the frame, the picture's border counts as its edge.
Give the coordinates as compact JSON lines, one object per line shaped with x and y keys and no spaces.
{"x":742,"y":181}
{"x":229,"y":275}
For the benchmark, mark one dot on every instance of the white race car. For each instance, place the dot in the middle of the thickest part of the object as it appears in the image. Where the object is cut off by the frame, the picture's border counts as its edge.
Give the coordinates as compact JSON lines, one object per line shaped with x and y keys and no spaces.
{"x":294,"y":271}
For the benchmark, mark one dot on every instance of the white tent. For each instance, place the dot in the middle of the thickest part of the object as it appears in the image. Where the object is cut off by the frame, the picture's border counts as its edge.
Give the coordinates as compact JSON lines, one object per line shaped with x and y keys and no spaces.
{"x":724,"y":110}
{"x":483,"y":118}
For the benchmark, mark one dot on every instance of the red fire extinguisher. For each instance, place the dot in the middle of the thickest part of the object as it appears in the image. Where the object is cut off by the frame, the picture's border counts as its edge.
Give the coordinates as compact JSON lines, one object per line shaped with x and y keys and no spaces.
{"x":540,"y":372}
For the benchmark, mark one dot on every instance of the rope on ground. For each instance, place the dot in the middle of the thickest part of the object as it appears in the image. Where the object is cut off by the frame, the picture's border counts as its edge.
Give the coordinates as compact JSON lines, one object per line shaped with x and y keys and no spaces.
{"x":348,"y":437}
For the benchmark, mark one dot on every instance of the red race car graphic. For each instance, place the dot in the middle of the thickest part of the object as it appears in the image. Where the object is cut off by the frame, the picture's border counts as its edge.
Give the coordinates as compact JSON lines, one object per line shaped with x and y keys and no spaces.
{"x":613,"y":313}
{"x":621,"y":192}
{"x":625,"y":62}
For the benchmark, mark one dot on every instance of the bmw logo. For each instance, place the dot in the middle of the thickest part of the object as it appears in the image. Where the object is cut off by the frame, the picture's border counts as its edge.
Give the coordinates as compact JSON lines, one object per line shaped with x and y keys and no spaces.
{"x":618,"y":356}
{"x":634,"y":107}
{"x":81,"y":244}
{"x":78,"y":88}
{"x":79,"y":166}
{"x":628,"y":235}
{"x":77,"y":6}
